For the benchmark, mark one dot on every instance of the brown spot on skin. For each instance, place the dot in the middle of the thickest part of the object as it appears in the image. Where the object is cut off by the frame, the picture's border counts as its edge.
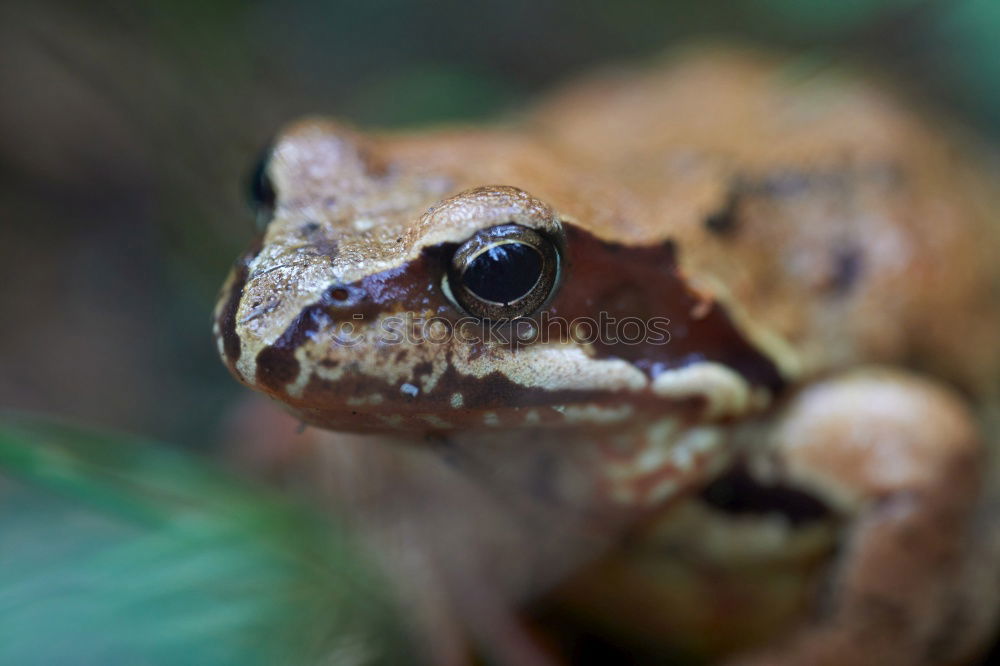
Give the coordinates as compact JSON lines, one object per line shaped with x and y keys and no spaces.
{"x":321,"y":244}
{"x":777,"y":185}
{"x":793,"y":182}
{"x":787,"y":183}
{"x":423,"y":369}
{"x":724,"y":222}
{"x":276,"y":364}
{"x":326,"y":247}
{"x":848,"y":267}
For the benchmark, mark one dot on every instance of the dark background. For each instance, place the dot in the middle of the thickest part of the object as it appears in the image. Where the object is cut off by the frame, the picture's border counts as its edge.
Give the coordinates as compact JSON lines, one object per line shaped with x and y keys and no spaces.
{"x":126,"y":131}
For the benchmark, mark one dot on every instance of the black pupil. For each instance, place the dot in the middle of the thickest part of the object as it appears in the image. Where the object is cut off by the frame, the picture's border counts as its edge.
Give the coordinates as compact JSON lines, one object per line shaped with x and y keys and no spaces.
{"x":504,"y":272}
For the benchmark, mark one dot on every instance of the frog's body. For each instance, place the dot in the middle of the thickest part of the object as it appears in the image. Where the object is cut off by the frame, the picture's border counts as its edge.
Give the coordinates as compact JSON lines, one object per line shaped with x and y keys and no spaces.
{"x":794,"y":233}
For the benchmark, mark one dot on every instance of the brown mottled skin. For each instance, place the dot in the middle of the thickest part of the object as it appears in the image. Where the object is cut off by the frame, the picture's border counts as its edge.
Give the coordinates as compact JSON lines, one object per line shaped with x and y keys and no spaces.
{"x":798,"y":476}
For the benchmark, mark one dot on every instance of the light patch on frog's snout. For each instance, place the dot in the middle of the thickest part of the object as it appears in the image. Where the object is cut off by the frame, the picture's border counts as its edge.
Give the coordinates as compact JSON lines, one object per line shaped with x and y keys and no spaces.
{"x":272,"y":297}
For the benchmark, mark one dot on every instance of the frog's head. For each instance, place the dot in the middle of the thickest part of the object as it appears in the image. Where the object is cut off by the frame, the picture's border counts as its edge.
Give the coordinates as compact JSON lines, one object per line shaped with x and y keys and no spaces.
{"x":464,"y":281}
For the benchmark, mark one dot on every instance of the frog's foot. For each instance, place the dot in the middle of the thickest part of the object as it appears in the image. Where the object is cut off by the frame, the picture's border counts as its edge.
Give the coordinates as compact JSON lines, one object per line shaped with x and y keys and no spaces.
{"x":913,"y":583}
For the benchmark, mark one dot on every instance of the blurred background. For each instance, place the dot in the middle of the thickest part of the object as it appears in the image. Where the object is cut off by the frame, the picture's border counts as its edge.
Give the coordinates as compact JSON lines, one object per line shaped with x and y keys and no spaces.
{"x":127,"y":132}
{"x":127,"y":129}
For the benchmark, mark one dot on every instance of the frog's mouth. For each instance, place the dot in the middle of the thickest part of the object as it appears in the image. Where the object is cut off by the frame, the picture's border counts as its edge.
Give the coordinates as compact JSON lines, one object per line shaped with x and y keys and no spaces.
{"x":700,"y":392}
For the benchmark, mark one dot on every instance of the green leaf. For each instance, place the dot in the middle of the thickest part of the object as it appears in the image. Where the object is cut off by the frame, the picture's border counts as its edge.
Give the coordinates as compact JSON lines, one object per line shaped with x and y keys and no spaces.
{"x":114,"y":550}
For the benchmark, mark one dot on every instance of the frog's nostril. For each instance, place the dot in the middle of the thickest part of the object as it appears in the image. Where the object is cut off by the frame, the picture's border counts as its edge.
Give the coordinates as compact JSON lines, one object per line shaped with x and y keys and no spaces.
{"x":343,"y":296}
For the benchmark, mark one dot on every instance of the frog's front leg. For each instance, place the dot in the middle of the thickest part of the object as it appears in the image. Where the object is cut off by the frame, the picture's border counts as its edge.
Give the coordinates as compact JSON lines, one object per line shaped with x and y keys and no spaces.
{"x":903,"y":460}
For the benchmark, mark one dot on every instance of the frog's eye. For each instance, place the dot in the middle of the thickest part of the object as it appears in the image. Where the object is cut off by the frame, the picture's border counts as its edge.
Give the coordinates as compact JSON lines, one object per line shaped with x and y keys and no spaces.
{"x":262,"y":194}
{"x":503,"y":272}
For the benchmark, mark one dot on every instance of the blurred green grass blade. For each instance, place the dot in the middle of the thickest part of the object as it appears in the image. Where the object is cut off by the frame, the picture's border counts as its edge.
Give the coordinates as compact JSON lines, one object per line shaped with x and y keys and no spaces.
{"x":115,"y":551}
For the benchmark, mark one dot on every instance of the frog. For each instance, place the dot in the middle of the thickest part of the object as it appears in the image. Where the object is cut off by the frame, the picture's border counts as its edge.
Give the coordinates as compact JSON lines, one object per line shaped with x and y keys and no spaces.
{"x":696,"y":357}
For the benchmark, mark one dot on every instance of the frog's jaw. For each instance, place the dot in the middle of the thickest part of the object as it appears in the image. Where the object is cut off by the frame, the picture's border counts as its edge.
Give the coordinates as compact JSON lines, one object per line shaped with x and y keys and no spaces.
{"x":460,"y":395}
{"x":607,"y":472}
